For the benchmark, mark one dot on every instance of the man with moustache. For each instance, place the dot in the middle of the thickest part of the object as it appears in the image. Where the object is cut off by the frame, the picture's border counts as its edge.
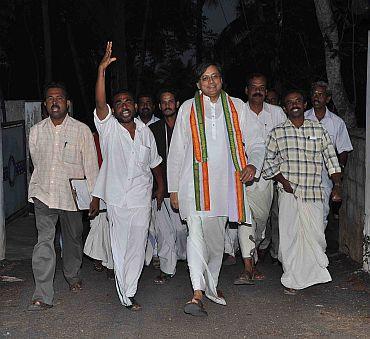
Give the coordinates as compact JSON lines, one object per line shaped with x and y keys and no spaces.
{"x":296,"y":152}
{"x":61,"y":148}
{"x":320,"y":97}
{"x":145,"y":109}
{"x":206,"y":172}
{"x":260,"y":193}
{"x":125,"y":182}
{"x":272,"y":97}
{"x":170,"y":230}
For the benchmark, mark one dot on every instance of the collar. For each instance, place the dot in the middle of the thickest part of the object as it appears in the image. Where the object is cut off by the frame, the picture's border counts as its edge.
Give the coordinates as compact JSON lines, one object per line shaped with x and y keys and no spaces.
{"x":311,"y":114}
{"x":207,"y":98}
{"x":139,"y":124}
{"x":62,"y":125}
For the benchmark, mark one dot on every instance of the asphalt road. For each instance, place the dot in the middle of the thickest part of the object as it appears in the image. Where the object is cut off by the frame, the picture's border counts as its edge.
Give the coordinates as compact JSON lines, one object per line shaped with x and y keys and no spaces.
{"x":339,"y":308}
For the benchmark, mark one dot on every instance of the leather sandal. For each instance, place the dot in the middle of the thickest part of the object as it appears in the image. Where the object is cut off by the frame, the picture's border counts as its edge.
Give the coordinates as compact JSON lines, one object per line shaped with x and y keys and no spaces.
{"x":195,"y":308}
{"x":38,"y":305}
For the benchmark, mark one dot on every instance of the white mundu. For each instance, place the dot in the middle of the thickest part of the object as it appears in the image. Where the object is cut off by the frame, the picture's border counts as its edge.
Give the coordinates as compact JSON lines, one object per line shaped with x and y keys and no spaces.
{"x":205,"y":242}
{"x":98,"y":244}
{"x":342,"y":143}
{"x":302,"y":221}
{"x":125,"y":183}
{"x":171,"y":236}
{"x":260,"y":193}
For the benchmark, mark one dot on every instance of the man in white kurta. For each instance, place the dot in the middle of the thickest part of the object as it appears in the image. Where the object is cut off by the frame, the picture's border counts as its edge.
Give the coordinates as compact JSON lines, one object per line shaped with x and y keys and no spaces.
{"x":260,"y":193}
{"x":125,"y":182}
{"x":320,"y":97}
{"x":295,"y":154}
{"x":205,"y":242}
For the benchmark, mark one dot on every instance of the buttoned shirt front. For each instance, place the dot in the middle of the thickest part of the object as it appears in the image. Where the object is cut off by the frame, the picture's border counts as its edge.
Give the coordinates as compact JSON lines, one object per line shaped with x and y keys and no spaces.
{"x":125,"y":177}
{"x":60,"y":153}
{"x":270,"y":117}
{"x":338,"y":134}
{"x":298,"y":154}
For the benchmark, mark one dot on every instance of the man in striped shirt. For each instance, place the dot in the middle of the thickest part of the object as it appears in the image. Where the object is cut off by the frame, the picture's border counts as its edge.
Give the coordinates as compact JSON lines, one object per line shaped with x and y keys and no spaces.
{"x":296,"y":152}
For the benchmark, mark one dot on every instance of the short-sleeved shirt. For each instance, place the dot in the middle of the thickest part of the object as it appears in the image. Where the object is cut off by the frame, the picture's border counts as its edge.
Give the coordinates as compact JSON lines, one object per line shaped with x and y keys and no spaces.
{"x":338,"y":134}
{"x":125,"y":177}
{"x":299,"y":154}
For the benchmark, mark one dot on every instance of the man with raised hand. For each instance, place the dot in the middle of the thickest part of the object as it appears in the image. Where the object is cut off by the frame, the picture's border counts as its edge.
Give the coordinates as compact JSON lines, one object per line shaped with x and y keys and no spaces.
{"x":125,"y":181}
{"x":296,"y":152}
{"x":206,"y":171}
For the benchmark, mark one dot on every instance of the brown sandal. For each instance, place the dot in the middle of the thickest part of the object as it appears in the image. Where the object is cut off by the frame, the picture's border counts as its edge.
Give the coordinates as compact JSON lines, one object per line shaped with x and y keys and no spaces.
{"x":76,"y":287}
{"x":245,"y":278}
{"x":38,"y":305}
{"x":135,"y":306}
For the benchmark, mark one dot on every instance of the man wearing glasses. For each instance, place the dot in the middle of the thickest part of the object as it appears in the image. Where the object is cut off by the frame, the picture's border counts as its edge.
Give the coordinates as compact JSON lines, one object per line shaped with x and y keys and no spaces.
{"x":206,"y":172}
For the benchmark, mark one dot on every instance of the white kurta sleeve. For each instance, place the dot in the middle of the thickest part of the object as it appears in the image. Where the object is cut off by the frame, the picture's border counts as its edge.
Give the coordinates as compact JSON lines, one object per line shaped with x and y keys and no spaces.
{"x":104,"y":126}
{"x":253,"y":140}
{"x":177,"y":151}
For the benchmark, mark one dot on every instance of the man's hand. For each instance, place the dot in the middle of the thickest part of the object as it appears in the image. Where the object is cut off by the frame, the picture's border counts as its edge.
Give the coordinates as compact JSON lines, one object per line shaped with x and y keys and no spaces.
{"x":94,"y":207}
{"x":107,"y":60}
{"x":159,"y":195}
{"x":287,"y":187}
{"x":248,"y":173}
{"x":336,"y":193}
{"x":286,"y":184}
{"x":174,"y":199}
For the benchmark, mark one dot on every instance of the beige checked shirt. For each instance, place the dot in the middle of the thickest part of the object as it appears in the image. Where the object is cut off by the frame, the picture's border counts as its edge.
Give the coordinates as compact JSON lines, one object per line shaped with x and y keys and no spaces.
{"x":58,"y":154}
{"x":299,"y":154}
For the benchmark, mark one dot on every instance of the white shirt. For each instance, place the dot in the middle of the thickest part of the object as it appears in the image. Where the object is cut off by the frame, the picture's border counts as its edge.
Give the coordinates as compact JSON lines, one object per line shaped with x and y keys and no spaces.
{"x":125,"y":176}
{"x":180,"y":157}
{"x":270,"y":117}
{"x":338,"y":134}
{"x":151,"y":121}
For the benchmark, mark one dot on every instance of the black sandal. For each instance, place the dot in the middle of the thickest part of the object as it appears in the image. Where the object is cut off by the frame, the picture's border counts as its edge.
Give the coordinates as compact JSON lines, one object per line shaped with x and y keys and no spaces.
{"x":195,"y":308}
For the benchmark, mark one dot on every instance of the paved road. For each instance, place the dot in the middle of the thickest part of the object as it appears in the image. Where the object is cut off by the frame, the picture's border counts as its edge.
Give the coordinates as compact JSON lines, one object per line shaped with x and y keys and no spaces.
{"x":339,"y":308}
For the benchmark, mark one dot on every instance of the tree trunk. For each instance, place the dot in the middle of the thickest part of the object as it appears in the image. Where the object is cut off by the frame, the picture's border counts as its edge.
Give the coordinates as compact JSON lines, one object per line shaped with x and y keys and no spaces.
{"x":119,"y":69}
{"x":142,"y":51}
{"x":26,"y":16}
{"x":329,"y":31}
{"x":47,"y":40}
{"x":2,"y":218}
{"x":199,"y":32}
{"x":77,"y":67}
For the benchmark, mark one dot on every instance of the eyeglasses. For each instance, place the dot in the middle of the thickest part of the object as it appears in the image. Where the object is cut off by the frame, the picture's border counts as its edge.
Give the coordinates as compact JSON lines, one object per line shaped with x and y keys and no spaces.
{"x":213,"y":77}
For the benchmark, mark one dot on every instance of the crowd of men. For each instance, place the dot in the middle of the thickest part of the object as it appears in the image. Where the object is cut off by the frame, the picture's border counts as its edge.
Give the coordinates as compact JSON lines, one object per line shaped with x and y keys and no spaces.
{"x":228,"y":175}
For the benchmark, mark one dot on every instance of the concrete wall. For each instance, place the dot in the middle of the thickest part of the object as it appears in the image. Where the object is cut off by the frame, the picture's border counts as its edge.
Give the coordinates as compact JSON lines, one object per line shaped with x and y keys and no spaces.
{"x":352,"y":213}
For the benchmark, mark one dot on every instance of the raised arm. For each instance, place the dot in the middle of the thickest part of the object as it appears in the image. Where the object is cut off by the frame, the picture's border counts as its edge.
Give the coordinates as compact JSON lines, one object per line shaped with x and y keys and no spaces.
{"x":100,"y":96}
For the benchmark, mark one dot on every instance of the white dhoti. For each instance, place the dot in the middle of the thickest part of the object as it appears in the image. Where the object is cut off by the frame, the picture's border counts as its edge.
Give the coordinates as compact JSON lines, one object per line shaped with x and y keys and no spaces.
{"x":246,"y":240}
{"x":260,"y":200}
{"x":171,"y":236}
{"x":151,"y":244}
{"x":98,"y":243}
{"x":129,"y":233}
{"x":231,"y":240}
{"x":302,"y":242}
{"x":272,"y":227}
{"x":326,"y":202}
{"x":205,"y":247}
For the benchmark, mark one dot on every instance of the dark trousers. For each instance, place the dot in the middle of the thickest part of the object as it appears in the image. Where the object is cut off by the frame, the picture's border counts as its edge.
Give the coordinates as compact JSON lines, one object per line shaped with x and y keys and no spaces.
{"x":44,"y":258}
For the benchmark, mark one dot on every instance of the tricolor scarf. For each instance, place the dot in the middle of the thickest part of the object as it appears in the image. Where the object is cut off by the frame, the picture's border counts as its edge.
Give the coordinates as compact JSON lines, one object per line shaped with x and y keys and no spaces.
{"x":200,"y":163}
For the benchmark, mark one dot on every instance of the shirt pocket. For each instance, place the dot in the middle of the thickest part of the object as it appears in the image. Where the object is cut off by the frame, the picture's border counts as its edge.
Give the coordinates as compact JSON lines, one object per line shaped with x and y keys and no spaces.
{"x":71,"y":154}
{"x":144,"y":155}
{"x":312,"y":149}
